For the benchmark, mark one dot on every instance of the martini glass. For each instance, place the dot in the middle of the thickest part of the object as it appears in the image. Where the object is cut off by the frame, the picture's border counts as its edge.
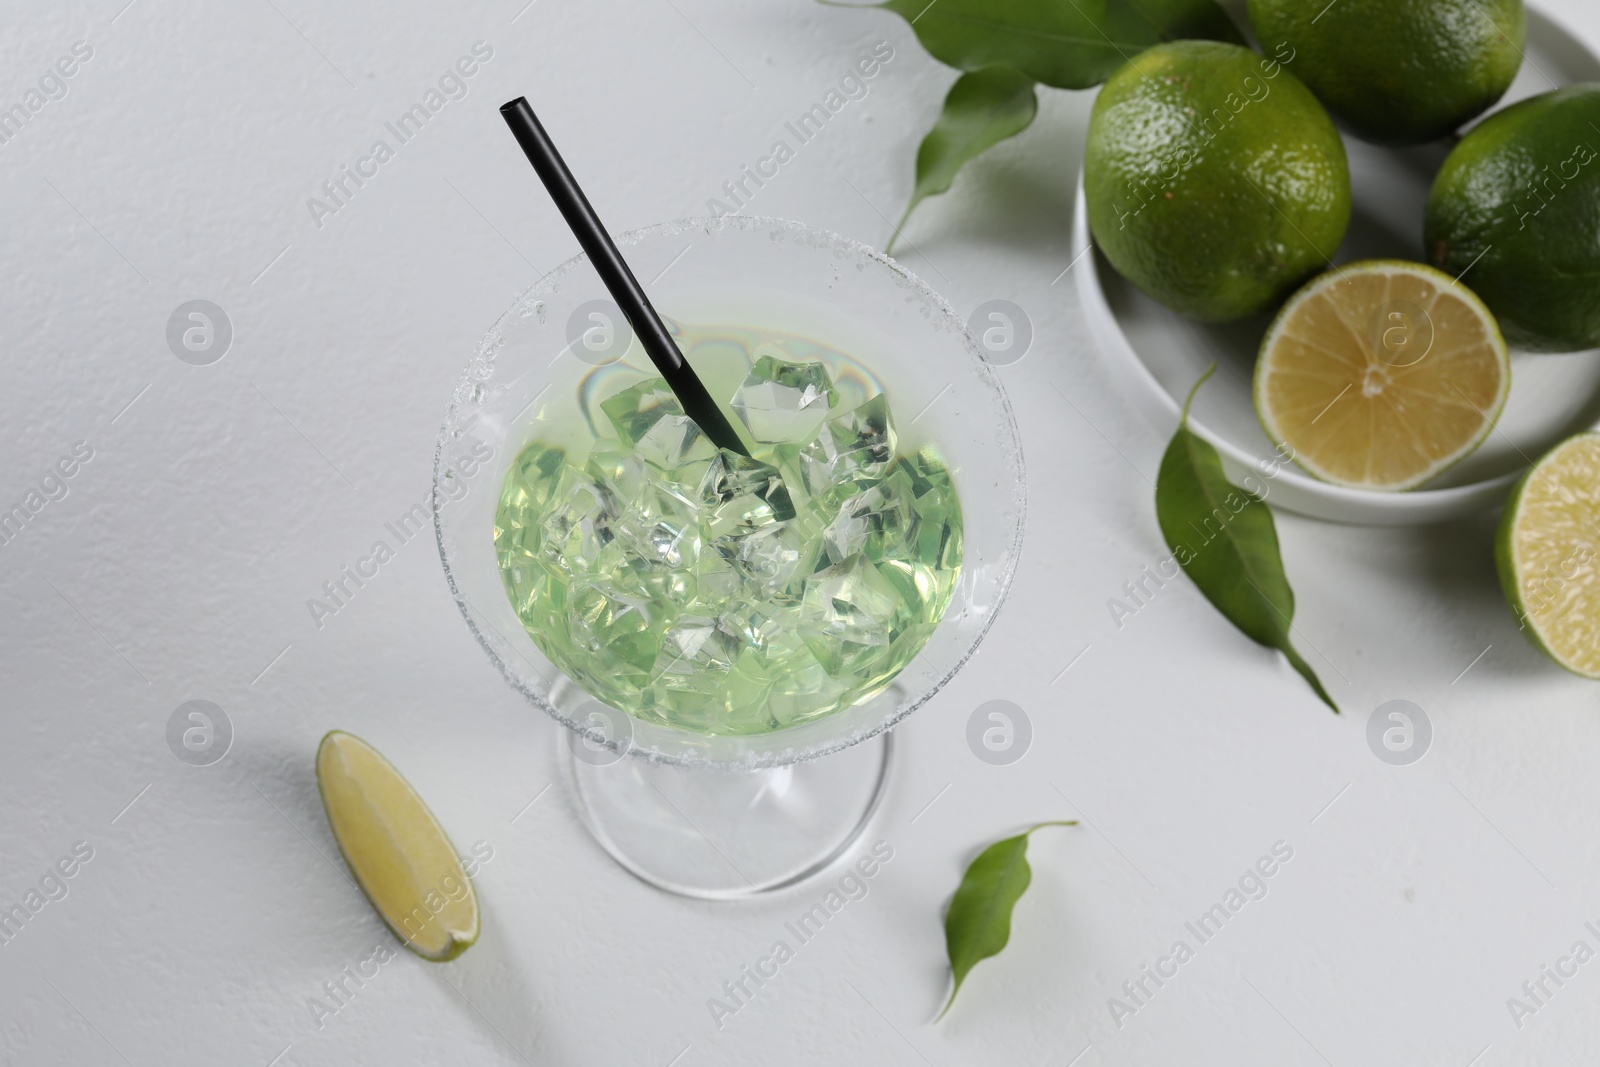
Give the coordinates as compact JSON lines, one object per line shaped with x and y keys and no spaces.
{"x":729,"y":816}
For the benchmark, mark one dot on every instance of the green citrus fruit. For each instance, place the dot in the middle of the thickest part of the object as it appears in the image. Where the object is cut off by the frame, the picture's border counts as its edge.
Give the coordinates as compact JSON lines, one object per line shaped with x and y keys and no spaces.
{"x":1548,"y":554}
{"x":1517,"y":204}
{"x":1215,"y":181}
{"x":1397,"y":71}
{"x":1381,"y":374}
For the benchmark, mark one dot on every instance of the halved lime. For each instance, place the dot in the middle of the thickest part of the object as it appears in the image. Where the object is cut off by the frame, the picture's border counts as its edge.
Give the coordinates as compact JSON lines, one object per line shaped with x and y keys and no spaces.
{"x":1548,"y":553}
{"x":396,"y":849}
{"x":1381,"y":374}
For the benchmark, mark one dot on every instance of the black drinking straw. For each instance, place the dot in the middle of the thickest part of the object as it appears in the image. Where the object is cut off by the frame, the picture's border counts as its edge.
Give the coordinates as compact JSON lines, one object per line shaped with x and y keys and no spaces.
{"x":618,"y":279}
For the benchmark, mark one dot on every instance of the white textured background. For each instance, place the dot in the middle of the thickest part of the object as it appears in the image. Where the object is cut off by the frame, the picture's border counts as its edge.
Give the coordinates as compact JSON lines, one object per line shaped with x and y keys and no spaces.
{"x":179,"y":564}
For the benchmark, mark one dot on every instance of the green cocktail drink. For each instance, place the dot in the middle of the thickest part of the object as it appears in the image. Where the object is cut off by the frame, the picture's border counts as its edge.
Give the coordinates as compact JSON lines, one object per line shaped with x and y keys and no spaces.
{"x":698,"y":588}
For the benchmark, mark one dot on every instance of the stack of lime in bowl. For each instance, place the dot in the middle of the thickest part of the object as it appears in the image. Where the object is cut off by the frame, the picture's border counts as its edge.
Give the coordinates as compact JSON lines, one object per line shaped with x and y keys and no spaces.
{"x":1216,"y":182}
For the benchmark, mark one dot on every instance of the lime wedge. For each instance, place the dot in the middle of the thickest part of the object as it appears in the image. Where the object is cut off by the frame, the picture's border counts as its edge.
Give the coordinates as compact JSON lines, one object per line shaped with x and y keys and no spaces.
{"x":396,"y":849}
{"x":1547,"y":554}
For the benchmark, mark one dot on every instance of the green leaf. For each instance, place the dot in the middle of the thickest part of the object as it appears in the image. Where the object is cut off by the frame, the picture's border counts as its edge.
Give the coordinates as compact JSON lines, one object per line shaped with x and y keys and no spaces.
{"x":1225,"y":540}
{"x":984,"y":108}
{"x":1070,"y":44}
{"x":978,"y":924}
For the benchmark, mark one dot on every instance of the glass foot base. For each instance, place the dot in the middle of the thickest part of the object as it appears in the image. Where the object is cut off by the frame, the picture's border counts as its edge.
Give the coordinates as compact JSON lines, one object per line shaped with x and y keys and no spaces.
{"x":720,"y":835}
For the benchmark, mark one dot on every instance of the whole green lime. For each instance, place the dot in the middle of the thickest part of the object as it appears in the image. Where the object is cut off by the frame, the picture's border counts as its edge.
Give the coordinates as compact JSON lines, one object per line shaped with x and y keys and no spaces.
{"x":1516,"y":208}
{"x":1397,"y":71}
{"x":1215,"y":181}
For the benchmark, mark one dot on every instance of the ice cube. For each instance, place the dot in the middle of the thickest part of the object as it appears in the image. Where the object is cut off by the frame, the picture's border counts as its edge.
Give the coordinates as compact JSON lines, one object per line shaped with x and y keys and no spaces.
{"x":853,"y":448}
{"x":727,"y":702}
{"x":802,"y":688}
{"x":779,"y":665}
{"x":695,"y":643}
{"x":654,"y":527}
{"x":656,"y":516}
{"x":577,"y":524}
{"x":619,"y":471}
{"x":740,"y":493}
{"x":661,"y":529}
{"x":784,"y":402}
{"x":880,"y":521}
{"x":649,"y":417}
{"x":773,"y":559}
{"x":939,"y":528}
{"x":704,"y":676}
{"x":717,"y":583}
{"x":610,"y":622}
{"x":848,"y":615}
{"x":534,"y":475}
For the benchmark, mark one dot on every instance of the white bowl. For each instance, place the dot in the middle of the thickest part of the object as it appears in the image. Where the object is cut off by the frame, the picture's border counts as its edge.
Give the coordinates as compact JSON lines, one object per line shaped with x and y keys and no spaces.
{"x":1156,"y":355}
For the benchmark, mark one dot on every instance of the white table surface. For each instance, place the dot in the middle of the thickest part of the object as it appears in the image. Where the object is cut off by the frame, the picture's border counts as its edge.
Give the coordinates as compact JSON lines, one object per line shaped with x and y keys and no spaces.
{"x":220,"y":498}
